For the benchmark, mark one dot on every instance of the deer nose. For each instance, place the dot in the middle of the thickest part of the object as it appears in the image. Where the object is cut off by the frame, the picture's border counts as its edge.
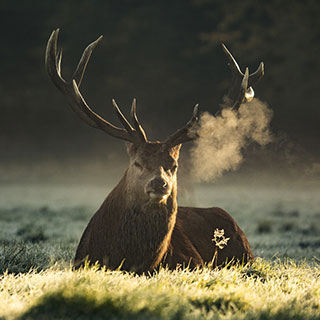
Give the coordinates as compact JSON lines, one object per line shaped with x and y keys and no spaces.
{"x":158,"y":185}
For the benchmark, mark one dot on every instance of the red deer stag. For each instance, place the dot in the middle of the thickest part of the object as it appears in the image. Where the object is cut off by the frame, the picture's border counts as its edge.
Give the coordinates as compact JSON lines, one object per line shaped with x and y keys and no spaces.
{"x":140,"y":225}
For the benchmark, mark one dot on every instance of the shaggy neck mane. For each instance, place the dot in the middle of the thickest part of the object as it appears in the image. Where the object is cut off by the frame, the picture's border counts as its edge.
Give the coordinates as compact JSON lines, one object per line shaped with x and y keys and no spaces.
{"x":142,"y":229}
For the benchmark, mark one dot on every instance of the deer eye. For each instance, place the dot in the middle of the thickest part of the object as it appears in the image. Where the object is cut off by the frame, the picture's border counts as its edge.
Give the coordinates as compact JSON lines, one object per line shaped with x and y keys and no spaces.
{"x":138,"y":165}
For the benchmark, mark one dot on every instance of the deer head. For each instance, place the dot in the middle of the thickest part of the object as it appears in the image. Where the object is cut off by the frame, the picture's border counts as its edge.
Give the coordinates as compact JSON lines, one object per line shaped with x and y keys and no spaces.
{"x":153,"y":168}
{"x":153,"y":165}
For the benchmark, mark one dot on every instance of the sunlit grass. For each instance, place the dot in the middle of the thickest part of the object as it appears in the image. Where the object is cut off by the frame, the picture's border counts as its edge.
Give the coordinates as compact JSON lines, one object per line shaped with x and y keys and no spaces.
{"x":43,"y":238}
{"x":265,"y":290}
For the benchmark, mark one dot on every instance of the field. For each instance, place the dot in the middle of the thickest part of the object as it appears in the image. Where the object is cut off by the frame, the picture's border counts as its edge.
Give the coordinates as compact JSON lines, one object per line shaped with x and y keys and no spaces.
{"x":41,"y":226}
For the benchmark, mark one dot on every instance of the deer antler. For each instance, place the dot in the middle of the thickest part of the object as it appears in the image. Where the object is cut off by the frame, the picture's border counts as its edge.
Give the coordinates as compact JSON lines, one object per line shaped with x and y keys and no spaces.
{"x":241,"y":83}
{"x":185,"y":133}
{"x":71,"y":90}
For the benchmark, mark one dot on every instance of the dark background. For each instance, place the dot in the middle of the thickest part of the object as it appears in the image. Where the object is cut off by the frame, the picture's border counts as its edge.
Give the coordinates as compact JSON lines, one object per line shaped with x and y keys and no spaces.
{"x":168,"y":55}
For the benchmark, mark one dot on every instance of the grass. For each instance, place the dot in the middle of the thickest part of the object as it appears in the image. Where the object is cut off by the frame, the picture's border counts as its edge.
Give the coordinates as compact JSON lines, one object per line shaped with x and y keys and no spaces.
{"x":264,"y":290}
{"x":38,"y":241}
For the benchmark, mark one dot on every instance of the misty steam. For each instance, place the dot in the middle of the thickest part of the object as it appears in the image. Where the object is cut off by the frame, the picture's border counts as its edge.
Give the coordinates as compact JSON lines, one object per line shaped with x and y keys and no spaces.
{"x":223,"y":138}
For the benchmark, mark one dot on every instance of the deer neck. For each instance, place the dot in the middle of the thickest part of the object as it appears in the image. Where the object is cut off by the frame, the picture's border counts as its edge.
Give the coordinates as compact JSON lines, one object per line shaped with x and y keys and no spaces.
{"x":144,"y":227}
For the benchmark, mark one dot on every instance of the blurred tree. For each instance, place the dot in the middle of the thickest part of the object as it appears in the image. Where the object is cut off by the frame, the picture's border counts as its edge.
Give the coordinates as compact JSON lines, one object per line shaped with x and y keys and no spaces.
{"x":166,"y":54}
{"x":285,"y":35}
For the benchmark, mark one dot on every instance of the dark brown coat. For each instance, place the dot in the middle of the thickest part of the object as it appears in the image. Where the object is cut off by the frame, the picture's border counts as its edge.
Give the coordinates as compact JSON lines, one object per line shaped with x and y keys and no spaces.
{"x":142,"y":238}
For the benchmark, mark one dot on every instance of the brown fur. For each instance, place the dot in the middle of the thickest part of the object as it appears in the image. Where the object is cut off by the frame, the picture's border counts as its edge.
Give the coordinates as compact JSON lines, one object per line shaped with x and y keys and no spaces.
{"x":140,"y":234}
{"x":191,"y":241}
{"x":136,"y":237}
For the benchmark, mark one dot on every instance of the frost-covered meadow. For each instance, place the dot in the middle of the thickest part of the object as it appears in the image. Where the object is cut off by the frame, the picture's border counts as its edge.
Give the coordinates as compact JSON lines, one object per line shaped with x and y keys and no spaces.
{"x":278,"y":221}
{"x":41,"y":226}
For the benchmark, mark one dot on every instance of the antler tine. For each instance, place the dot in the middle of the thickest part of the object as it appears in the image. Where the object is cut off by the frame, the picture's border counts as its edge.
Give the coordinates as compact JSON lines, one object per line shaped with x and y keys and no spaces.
{"x":71,"y":88}
{"x":53,"y":61}
{"x":81,"y":68}
{"x":53,"y":67}
{"x":99,"y":121}
{"x":257,"y":75}
{"x":233,"y":65}
{"x":137,"y":133}
{"x":136,"y":122}
{"x":122,"y":118}
{"x":243,"y":90}
{"x":185,"y":133}
{"x":59,"y":58}
{"x":239,"y":90}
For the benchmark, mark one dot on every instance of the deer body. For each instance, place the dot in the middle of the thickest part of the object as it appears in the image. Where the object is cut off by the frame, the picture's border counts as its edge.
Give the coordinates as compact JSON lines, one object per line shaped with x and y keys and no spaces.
{"x":138,"y":231}
{"x":144,"y":248}
{"x":139,"y":225}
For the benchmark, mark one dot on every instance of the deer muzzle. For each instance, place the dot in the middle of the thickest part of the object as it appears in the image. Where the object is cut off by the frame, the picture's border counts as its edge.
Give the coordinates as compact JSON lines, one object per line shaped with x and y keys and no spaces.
{"x":158,"y":189}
